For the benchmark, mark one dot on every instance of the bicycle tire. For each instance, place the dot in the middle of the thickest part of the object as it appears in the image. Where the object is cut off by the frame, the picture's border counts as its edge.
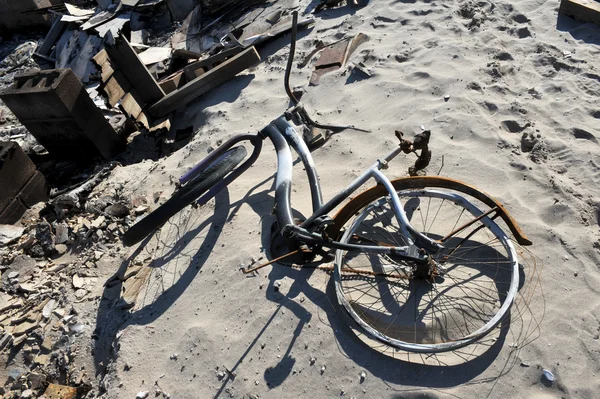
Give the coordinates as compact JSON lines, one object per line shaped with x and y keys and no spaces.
{"x":185,"y":195}
{"x":386,"y":301}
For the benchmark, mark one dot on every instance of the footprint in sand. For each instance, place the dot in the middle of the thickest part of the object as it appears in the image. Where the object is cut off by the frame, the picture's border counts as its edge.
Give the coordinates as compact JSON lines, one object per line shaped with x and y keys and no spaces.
{"x":491,"y":107}
{"x":503,"y":56}
{"x":584,"y":135}
{"x":514,"y":126}
{"x":520,"y":18}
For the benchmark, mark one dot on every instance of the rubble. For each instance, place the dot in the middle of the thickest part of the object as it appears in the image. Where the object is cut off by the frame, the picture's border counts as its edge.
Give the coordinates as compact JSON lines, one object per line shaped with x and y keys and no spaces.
{"x":127,"y":68}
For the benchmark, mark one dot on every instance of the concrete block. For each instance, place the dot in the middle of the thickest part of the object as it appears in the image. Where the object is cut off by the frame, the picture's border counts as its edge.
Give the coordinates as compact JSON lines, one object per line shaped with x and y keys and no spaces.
{"x":13,"y":212}
{"x":54,"y":106}
{"x":20,"y":14}
{"x":16,"y":169}
{"x":34,"y":191}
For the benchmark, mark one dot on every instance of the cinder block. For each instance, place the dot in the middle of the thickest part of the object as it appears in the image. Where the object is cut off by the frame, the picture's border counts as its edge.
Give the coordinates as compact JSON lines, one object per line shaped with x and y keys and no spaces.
{"x":16,"y":169}
{"x":13,"y":212}
{"x":36,"y":190}
{"x":20,"y":14}
{"x":54,"y":106}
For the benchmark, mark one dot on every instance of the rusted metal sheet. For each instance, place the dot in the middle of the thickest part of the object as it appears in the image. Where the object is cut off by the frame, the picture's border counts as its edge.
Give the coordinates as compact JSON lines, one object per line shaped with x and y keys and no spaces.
{"x":335,"y":56}
{"x":55,"y":391}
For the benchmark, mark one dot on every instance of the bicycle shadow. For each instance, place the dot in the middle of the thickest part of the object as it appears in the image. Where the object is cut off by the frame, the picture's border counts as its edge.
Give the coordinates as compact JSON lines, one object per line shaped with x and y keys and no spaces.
{"x":113,"y":316}
{"x":392,"y":370}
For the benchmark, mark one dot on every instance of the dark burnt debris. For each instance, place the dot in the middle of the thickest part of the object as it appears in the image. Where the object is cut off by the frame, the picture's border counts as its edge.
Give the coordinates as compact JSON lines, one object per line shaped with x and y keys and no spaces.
{"x":80,"y":81}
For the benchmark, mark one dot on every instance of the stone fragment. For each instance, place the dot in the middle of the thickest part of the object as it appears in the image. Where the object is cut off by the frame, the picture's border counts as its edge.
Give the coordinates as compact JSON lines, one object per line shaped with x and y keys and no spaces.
{"x":98,"y":222}
{"x":62,"y":233}
{"x":10,"y":234}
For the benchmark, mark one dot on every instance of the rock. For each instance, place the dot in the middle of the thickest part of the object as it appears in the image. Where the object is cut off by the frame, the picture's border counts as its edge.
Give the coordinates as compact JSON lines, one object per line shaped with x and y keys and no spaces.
{"x":24,"y":328}
{"x":78,"y":282}
{"x":13,"y":275}
{"x":61,"y":249}
{"x":141,"y":209}
{"x":548,"y":375}
{"x":98,"y":222}
{"x":117,"y":210}
{"x":47,"y":311}
{"x":77,"y":328}
{"x":10,"y":234}
{"x":27,"y":288}
{"x":27,"y":394}
{"x":36,"y":380}
{"x":47,"y":344}
{"x":5,"y":341}
{"x":142,"y":395}
{"x":61,"y":233}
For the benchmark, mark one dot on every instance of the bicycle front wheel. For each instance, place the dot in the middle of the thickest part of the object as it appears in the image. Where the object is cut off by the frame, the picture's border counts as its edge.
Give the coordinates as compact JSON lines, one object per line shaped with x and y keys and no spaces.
{"x":470,"y":295}
{"x":186,"y":195}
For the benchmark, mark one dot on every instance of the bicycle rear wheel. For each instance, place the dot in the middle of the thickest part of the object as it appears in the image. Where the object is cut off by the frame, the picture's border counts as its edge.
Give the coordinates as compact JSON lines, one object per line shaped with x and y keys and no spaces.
{"x":185,"y":195}
{"x":472,"y":294}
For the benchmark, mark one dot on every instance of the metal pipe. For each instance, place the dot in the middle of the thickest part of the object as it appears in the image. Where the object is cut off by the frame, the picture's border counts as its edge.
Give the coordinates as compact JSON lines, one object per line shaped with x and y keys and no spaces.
{"x":406,"y":228}
{"x":283,"y":180}
{"x":288,"y":69}
{"x":298,"y":144}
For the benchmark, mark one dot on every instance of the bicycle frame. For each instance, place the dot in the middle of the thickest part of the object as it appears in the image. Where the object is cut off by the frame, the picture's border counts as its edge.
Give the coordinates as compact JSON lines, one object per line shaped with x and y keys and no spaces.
{"x":284,"y":136}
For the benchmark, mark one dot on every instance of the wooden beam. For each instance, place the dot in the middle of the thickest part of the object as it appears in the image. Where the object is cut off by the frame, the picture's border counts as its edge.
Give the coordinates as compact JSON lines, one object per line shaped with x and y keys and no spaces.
{"x":582,"y":10}
{"x":131,"y":104}
{"x":122,"y":54}
{"x":116,"y":88}
{"x":57,"y":27}
{"x":106,"y":67}
{"x":198,"y":68}
{"x":172,"y":82}
{"x":213,"y":78}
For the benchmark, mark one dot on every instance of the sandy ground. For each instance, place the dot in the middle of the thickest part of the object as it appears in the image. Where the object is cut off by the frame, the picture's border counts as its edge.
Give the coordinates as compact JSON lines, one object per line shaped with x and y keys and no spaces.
{"x":521,"y":122}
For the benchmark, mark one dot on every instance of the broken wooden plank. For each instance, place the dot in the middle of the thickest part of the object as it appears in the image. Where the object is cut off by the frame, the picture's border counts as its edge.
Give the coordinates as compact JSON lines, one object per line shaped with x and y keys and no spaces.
{"x":55,"y":31}
{"x":142,"y":119}
{"x":132,"y":104}
{"x":116,"y":87}
{"x":187,"y":54}
{"x":213,"y":78}
{"x":198,"y":68}
{"x":582,"y":10}
{"x":278,"y":29}
{"x":172,"y":82}
{"x":122,"y":54}
{"x":104,"y":64}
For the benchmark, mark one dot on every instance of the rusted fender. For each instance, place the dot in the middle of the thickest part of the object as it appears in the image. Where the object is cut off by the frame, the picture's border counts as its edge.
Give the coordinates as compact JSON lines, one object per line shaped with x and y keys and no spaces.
{"x":420,"y":182}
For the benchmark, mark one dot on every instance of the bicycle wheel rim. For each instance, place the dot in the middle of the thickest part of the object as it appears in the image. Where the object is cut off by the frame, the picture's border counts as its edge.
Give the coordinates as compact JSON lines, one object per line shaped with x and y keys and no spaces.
{"x":438,"y":343}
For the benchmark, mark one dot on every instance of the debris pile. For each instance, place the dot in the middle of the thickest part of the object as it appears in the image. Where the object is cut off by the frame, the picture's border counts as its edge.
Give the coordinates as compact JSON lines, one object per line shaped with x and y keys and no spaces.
{"x":51,"y":267}
{"x":104,"y":73}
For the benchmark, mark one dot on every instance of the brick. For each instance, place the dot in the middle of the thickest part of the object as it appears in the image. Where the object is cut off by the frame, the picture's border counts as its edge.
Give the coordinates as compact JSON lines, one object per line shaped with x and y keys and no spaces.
{"x":13,"y":212}
{"x":36,"y":190}
{"x":54,"y":106}
{"x":16,"y":169}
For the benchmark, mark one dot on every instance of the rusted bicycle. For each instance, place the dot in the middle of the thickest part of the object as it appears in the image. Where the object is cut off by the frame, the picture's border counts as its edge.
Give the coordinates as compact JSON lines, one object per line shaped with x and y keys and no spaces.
{"x":419,"y":263}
